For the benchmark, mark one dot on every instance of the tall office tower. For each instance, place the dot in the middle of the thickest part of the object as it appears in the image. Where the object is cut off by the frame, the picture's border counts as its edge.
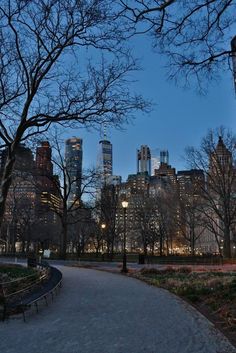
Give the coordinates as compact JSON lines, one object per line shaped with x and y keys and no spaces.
{"x":191,"y":182}
{"x":44,"y":158}
{"x":164,"y":157}
{"x":24,"y":160}
{"x":105,"y":161}
{"x":114,"y":180}
{"x":165,"y":171}
{"x":155,"y":160}
{"x":20,"y":203}
{"x":144,"y":160}
{"x":73,"y":159}
{"x":221,"y":159}
{"x":137,"y":184}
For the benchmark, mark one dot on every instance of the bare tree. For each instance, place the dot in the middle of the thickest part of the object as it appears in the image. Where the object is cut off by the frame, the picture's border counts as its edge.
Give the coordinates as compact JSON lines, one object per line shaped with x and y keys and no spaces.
{"x":167,"y":211}
{"x":191,"y":221}
{"x":42,"y":77}
{"x":216,"y":157}
{"x":108,"y":207}
{"x":70,"y":211}
{"x":97,"y":236}
{"x":146,"y":222}
{"x":195,"y":35}
{"x":140,"y":219}
{"x":80,"y":229}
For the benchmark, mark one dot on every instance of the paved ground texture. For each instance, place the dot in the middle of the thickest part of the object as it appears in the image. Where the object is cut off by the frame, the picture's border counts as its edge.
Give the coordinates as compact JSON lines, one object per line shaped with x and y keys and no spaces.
{"x":99,"y":312}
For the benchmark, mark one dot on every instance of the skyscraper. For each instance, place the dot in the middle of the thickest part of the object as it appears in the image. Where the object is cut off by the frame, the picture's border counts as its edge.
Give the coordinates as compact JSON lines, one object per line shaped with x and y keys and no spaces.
{"x":105,"y":160}
{"x":221,"y":159}
{"x":144,"y":160}
{"x":47,"y":191}
{"x":44,"y":158}
{"x":19,"y":213}
{"x":73,"y":159}
{"x":155,"y":160}
{"x":164,"y":157}
{"x":190,"y":182}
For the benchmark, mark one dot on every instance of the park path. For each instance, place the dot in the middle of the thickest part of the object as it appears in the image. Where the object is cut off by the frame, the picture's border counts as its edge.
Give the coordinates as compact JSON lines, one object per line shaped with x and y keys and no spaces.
{"x":100,"y":312}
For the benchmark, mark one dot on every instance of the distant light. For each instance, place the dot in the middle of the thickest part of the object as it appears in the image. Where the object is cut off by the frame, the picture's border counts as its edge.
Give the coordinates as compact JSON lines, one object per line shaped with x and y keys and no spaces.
{"x":124,"y":204}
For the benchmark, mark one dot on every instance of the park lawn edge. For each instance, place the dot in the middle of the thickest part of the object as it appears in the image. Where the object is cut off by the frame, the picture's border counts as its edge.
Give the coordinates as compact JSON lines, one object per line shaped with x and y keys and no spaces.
{"x":213,"y":317}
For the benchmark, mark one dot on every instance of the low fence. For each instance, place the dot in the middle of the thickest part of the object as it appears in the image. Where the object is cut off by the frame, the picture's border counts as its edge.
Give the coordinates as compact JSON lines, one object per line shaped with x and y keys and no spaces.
{"x":181,"y":260}
{"x":135,"y":258}
{"x":15,"y":290}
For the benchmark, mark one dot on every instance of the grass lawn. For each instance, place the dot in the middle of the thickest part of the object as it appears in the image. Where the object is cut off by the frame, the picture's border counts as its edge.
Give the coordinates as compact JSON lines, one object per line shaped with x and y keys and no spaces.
{"x":14,"y":271}
{"x":212,"y":293}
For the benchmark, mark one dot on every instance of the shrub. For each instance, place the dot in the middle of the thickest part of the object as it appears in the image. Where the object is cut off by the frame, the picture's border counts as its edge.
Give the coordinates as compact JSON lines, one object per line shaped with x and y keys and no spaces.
{"x":184,"y":269}
{"x":150,"y":271}
{"x":169,"y":270}
{"x":193,"y":297}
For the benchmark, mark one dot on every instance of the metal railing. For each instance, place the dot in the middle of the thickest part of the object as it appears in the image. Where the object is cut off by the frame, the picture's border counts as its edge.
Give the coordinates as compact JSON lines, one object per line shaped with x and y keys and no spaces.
{"x":16,"y":289}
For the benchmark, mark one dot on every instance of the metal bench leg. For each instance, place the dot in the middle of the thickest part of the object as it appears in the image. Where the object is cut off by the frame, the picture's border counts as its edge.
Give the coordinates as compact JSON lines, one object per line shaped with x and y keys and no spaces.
{"x":45,"y":297}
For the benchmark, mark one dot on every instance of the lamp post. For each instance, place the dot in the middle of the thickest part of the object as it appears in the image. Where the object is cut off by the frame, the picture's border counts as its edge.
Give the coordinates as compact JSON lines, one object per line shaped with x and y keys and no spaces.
{"x":124,"y":266}
{"x":103,"y":226}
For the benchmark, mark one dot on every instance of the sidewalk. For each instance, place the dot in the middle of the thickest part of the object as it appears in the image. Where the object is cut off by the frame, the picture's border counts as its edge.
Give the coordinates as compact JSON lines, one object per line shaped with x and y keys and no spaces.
{"x":99,"y":312}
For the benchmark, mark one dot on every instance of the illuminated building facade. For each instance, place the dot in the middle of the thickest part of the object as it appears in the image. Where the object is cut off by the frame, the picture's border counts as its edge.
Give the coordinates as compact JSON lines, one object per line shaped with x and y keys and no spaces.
{"x":105,"y":162}
{"x":73,"y":160}
{"x":144,"y":160}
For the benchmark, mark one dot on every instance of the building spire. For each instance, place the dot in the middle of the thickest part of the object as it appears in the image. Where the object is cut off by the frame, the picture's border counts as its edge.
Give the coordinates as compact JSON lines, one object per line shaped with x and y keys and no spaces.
{"x":103,"y":131}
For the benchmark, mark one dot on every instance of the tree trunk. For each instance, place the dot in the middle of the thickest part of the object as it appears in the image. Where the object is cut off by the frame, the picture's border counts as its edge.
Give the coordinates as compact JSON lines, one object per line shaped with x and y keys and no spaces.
{"x":145,"y":248}
{"x":7,"y":172}
{"x":152,"y":251}
{"x":167,"y":245}
{"x":64,"y":241}
{"x":6,"y":179}
{"x":112,"y":250}
{"x":27,"y":246}
{"x":192,"y":243}
{"x":161,"y":245}
{"x":97,"y":249}
{"x":227,"y":248}
{"x":78,"y":247}
{"x":23,"y":246}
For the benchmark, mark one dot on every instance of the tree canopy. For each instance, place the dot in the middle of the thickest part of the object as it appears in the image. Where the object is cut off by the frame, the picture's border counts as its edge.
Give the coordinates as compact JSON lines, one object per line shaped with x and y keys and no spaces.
{"x":195,"y":35}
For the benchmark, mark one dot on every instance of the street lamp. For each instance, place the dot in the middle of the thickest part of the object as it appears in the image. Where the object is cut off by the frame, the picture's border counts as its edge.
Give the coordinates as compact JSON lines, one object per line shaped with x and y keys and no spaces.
{"x":124,"y":267}
{"x":103,"y":226}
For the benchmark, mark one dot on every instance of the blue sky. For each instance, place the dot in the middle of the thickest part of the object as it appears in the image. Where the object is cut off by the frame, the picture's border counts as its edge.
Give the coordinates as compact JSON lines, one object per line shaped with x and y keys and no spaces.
{"x":179,"y":117}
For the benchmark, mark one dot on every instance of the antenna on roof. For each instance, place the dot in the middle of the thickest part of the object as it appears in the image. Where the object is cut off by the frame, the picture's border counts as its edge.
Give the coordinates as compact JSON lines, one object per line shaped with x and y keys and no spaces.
{"x":103,"y":131}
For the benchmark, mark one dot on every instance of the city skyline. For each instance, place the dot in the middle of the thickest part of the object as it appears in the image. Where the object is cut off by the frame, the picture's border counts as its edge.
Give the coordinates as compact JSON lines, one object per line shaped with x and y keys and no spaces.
{"x":180,"y":117}
{"x":118,"y":156}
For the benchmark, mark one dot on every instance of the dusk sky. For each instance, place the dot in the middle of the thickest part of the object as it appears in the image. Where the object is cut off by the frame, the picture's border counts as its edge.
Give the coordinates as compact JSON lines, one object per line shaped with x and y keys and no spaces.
{"x":180,"y":117}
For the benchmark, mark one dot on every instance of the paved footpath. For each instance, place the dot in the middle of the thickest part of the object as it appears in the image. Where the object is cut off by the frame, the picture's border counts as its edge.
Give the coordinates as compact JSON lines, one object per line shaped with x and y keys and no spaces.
{"x":100,"y":312}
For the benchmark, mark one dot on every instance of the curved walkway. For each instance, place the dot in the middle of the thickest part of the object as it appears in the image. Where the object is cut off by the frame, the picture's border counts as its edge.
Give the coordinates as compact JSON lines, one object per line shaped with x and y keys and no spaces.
{"x":99,"y":312}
